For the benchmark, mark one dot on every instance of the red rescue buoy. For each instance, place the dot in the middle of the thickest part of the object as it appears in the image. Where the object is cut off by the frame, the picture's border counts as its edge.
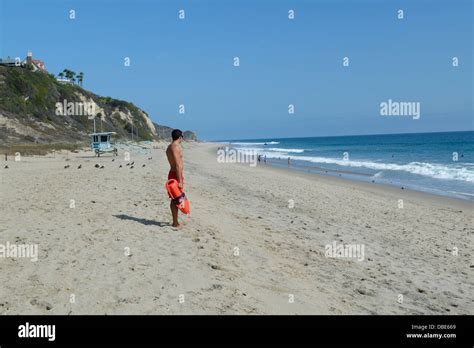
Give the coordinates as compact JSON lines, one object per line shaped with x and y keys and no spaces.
{"x":177,"y":196}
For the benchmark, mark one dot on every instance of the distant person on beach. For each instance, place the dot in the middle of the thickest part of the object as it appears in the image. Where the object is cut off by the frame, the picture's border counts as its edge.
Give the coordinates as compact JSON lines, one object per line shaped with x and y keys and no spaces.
{"x":288,"y":161}
{"x":265,"y":158}
{"x":175,"y":158}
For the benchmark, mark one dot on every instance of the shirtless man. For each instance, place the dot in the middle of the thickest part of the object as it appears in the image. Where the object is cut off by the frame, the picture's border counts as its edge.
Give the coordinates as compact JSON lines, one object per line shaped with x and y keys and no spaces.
{"x":175,"y":158}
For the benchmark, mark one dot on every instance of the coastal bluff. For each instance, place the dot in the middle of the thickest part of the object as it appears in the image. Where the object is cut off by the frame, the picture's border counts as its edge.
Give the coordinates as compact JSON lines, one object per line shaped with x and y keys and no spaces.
{"x":36,"y":108}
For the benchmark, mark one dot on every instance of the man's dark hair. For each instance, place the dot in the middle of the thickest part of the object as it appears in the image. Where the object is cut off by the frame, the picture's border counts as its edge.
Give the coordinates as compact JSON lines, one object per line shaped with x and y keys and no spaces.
{"x":176,"y":134}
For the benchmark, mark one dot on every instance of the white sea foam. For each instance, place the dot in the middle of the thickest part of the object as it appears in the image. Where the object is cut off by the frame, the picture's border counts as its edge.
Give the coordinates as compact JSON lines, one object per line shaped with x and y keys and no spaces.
{"x":437,"y":171}
{"x":270,"y":149}
{"x":285,"y":150}
{"x":463,"y":193}
{"x":268,"y":143}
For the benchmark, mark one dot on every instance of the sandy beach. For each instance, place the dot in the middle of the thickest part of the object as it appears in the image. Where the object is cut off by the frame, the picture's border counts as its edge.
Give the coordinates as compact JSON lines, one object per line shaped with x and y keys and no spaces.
{"x":255,"y":242}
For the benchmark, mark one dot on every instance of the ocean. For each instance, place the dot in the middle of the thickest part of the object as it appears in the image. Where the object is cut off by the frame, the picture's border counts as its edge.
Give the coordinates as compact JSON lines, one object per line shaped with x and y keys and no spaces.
{"x":438,"y":163}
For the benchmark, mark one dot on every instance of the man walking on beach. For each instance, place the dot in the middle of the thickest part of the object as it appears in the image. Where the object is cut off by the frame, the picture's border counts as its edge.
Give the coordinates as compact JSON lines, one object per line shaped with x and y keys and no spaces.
{"x":175,"y":158}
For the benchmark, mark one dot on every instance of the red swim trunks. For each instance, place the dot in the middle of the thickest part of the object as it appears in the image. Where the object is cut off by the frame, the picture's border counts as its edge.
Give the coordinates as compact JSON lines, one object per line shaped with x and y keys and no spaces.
{"x":172,"y":175}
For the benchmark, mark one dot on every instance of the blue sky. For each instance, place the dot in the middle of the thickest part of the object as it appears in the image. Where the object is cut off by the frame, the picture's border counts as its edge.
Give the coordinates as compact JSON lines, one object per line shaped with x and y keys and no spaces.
{"x":282,"y":61}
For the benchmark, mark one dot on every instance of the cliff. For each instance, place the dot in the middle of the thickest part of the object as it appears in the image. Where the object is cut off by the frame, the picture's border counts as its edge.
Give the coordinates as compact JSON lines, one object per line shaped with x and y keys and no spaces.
{"x":36,"y":108}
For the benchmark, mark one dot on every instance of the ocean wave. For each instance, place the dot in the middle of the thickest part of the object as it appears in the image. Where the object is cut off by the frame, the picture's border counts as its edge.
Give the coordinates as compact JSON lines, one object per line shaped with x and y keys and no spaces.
{"x":285,"y":150}
{"x":463,"y":193}
{"x":437,"y":171}
{"x":268,"y":143}
{"x":272,"y":149}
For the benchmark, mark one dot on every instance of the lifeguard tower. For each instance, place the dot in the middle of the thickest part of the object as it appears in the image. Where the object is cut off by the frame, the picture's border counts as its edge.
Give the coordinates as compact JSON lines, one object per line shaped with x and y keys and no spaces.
{"x":102,"y":143}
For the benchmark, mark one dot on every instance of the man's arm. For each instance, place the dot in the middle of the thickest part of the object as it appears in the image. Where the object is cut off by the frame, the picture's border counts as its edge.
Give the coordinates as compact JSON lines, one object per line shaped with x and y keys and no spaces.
{"x":179,"y":166}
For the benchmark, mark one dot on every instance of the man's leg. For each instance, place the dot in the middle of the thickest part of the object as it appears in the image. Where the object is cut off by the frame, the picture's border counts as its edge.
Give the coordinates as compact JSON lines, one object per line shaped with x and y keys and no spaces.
{"x":174,"y":213}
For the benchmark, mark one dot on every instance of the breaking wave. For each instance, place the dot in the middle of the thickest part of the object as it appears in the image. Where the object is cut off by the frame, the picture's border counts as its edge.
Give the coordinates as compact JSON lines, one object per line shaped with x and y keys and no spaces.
{"x":437,"y":171}
{"x":267,"y":143}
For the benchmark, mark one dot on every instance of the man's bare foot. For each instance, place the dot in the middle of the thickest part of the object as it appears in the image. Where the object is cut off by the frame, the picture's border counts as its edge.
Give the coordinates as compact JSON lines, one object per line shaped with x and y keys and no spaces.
{"x":177,"y":226}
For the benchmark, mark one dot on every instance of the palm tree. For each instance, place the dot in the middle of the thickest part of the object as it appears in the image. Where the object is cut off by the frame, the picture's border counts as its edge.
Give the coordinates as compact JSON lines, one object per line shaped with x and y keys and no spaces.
{"x":80,"y":78}
{"x":61,"y":75}
{"x":67,"y":73}
{"x":73,"y":76}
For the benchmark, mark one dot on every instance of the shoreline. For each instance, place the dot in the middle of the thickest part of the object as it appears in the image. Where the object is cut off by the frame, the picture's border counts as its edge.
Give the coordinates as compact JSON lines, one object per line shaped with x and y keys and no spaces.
{"x":372,"y":187}
{"x":302,"y":169}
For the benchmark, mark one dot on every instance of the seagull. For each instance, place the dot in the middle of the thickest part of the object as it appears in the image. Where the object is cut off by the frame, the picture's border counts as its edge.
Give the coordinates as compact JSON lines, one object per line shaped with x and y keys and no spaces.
{"x":132,"y":163}
{"x":97,"y":166}
{"x":80,"y":166}
{"x":66,"y":167}
{"x":113,"y":159}
{"x":143,"y":165}
{"x":131,"y":167}
{"x":128,"y":164}
{"x":120,"y":166}
{"x":6,"y":167}
{"x":102,"y":167}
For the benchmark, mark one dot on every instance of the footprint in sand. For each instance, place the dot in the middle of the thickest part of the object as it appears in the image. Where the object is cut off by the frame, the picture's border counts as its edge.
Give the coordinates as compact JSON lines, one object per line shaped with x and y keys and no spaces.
{"x":366,"y":292}
{"x":4,"y":307}
{"x":41,"y":304}
{"x":215,"y":267}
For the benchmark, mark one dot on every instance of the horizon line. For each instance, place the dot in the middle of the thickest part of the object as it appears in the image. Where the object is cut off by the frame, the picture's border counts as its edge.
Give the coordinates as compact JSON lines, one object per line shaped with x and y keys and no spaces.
{"x":335,"y":136}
